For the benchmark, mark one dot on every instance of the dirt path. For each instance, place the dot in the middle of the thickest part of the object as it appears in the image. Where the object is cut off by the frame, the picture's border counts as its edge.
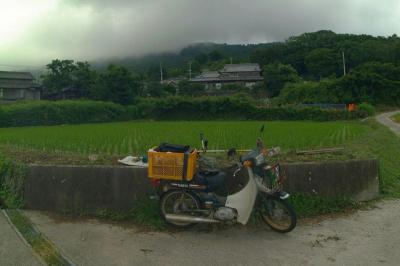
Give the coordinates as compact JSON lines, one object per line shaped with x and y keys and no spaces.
{"x":368,"y":237}
{"x":12,"y":250}
{"x":387,"y":121}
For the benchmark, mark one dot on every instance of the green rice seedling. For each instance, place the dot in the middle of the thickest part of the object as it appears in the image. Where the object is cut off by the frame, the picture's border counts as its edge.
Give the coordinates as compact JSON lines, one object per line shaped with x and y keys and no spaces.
{"x":138,"y":136}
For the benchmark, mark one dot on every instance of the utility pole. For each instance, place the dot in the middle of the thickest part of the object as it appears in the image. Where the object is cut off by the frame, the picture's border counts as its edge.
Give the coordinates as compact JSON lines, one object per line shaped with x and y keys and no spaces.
{"x":161,"y":74}
{"x":190,"y":70}
{"x":344,"y":64}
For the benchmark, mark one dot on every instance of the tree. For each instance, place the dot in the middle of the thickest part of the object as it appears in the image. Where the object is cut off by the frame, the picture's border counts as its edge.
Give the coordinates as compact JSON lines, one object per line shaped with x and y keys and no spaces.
{"x":216,"y":55}
{"x":169,"y":89}
{"x":376,"y":83}
{"x":118,"y":85}
{"x":154,"y":72}
{"x":85,"y":80}
{"x":201,"y":58}
{"x":59,"y":76}
{"x":396,"y":53}
{"x":64,"y":74}
{"x":308,"y":92}
{"x":189,"y":88}
{"x":276,"y":75}
{"x":323,"y":62}
{"x":273,"y":54}
{"x":155,"y":89}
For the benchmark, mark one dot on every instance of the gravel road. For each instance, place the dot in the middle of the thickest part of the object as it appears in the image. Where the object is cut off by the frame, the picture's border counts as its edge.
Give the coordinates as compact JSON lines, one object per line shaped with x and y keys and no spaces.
{"x":367,"y":237}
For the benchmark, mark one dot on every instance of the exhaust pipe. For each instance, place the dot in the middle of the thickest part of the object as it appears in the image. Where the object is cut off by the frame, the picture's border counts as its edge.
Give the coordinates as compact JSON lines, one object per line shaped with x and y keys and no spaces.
{"x":189,"y":219}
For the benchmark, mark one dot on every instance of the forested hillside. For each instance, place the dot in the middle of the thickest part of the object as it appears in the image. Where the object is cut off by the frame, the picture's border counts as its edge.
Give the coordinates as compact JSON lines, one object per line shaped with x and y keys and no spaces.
{"x":318,"y":67}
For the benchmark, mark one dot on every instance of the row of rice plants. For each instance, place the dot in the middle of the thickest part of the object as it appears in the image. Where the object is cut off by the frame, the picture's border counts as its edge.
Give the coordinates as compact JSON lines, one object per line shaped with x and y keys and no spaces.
{"x":137,"y":137}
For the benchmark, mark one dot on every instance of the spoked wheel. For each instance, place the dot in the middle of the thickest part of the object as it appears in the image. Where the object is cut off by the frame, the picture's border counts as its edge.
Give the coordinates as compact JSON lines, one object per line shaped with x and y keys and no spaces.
{"x":179,"y":202}
{"x":278,"y":214}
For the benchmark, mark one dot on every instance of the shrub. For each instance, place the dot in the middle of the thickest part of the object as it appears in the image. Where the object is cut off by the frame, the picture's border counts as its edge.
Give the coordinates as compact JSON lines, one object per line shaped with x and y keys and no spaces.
{"x":12,"y":177}
{"x":169,"y":108}
{"x":60,"y":112}
{"x":370,"y":109}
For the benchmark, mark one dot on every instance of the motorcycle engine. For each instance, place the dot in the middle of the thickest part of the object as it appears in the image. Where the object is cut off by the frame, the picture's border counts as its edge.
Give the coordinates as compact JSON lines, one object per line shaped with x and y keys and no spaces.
{"x":225,"y":214}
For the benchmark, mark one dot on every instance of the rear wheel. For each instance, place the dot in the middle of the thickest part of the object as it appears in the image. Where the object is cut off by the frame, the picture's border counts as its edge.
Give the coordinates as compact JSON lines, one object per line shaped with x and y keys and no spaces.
{"x":278,"y":214}
{"x":179,"y":202}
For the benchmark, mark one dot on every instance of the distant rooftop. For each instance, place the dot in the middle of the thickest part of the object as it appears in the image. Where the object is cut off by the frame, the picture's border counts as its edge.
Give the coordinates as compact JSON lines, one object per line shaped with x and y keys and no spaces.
{"x":209,"y":75}
{"x":16,"y":75}
{"x":248,"y":67}
{"x":230,"y":73}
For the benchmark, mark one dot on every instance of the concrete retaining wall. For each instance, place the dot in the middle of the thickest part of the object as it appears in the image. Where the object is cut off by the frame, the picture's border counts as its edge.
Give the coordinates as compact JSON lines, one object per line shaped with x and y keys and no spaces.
{"x":85,"y":188}
{"x":356,"y":179}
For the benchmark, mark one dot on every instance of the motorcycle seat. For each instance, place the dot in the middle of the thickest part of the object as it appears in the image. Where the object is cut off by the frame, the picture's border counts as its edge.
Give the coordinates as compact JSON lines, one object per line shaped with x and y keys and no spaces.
{"x":212,"y":180}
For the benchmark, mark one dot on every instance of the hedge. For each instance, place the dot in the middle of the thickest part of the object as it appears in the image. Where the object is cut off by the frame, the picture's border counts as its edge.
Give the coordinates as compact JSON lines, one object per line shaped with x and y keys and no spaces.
{"x":206,"y":108}
{"x":12,"y":176}
{"x":171,"y":108}
{"x":61,"y":112}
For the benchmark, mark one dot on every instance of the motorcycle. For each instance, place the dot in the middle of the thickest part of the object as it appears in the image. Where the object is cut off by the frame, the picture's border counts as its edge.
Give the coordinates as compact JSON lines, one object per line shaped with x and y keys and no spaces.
{"x":186,"y":203}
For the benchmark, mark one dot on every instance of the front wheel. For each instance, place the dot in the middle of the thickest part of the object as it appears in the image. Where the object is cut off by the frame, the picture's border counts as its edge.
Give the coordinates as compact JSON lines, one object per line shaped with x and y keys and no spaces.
{"x":278,"y":214}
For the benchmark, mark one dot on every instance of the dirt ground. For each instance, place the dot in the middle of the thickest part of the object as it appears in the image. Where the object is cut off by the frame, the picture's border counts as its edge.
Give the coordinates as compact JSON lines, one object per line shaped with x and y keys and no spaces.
{"x":366,"y":237}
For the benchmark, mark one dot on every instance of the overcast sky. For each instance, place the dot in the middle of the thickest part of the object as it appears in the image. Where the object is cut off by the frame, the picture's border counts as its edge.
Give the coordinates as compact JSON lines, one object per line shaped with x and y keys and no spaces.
{"x":35,"y":31}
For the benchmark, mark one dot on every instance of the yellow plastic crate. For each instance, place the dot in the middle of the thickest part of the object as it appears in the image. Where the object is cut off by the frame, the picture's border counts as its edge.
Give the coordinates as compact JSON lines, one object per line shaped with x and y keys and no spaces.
{"x":169,"y":165}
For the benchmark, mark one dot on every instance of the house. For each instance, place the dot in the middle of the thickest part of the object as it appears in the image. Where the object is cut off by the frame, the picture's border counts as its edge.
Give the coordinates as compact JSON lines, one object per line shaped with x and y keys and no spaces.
{"x":18,"y":86}
{"x":246,"y":75}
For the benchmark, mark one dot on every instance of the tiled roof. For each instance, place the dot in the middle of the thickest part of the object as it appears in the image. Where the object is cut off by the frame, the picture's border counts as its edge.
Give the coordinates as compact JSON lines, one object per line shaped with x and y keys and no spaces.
{"x":243,"y":78}
{"x":228,"y":79}
{"x":230,"y":73}
{"x":241,"y":68}
{"x":16,"y":75}
{"x":209,"y":74}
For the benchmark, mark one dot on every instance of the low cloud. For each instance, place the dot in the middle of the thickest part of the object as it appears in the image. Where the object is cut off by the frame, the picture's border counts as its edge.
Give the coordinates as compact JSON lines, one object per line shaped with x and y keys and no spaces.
{"x":99,"y":29}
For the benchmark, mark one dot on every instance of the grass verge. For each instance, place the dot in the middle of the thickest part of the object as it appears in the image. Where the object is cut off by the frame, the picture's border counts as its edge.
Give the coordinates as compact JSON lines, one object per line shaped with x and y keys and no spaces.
{"x":381,"y":143}
{"x":396,"y":118}
{"x":145,"y":214}
{"x":309,"y":206}
{"x":41,"y":246}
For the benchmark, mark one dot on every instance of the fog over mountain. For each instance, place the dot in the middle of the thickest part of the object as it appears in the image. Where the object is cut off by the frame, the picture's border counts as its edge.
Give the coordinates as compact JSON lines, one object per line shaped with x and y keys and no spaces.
{"x":32,"y":32}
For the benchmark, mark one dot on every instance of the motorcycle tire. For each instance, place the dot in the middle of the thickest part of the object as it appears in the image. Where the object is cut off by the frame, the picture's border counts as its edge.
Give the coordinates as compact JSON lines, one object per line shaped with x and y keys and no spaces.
{"x":272,"y":209}
{"x":172,"y":197}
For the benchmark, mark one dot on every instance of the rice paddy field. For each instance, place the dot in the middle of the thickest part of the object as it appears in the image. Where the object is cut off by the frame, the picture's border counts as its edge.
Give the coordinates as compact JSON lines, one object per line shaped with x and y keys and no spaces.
{"x":136,"y":138}
{"x":105,"y":143}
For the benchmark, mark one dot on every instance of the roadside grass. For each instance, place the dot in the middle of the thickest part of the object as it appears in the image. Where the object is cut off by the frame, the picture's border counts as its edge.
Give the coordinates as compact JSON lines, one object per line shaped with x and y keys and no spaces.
{"x":383,"y":144}
{"x":396,"y":118}
{"x":145,"y":214}
{"x":35,"y":239}
{"x":312,"y":205}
